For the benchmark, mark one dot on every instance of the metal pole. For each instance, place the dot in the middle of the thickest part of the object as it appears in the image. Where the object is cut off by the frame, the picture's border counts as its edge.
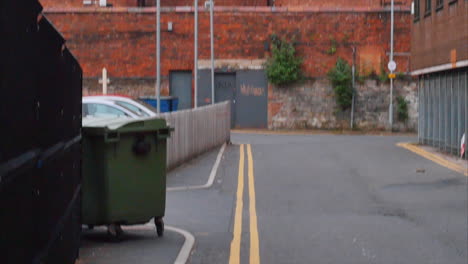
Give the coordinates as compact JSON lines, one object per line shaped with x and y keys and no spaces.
{"x":353,"y":87}
{"x":195,"y":67}
{"x":158,"y":55}
{"x":390,"y":116}
{"x":212,"y":52}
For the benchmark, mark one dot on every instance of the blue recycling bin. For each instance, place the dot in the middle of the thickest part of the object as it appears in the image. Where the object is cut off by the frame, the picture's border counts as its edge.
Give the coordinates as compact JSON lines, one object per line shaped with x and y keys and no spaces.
{"x":168,"y":103}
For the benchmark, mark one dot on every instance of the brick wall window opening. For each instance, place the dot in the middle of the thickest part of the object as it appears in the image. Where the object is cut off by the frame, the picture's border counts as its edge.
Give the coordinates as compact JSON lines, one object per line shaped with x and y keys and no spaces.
{"x":439,"y":5}
{"x":416,"y":10}
{"x":452,"y":2}
{"x":428,"y":9}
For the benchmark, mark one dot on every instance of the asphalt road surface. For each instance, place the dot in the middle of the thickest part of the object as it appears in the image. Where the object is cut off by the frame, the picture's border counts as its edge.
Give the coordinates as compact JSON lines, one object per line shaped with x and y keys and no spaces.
{"x":324,"y":199}
{"x":307,"y":199}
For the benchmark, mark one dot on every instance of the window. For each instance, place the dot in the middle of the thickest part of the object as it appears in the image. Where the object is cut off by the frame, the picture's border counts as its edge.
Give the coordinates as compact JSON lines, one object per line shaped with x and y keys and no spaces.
{"x":103,"y":110}
{"x":416,"y":10}
{"x":439,"y":5}
{"x":428,"y":8}
{"x":133,"y":108}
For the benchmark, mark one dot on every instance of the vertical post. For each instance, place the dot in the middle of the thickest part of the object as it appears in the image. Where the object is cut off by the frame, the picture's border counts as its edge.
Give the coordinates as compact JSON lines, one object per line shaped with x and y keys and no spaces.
{"x":195,"y":61}
{"x":353,"y":87}
{"x":104,"y":81}
{"x":420,"y":115}
{"x":212,"y":52}
{"x":390,"y":116}
{"x":158,"y":55}
{"x":466,"y":113}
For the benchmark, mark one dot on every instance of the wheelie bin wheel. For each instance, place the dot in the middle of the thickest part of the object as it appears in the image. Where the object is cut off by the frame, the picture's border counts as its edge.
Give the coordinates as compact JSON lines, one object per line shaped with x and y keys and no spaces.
{"x":159,"y":226}
{"x":115,"y":231}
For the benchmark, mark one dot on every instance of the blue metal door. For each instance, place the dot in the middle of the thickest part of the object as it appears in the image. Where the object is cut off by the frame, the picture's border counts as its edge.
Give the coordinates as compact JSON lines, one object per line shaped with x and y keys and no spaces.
{"x":181,"y":86}
{"x":225,"y":90}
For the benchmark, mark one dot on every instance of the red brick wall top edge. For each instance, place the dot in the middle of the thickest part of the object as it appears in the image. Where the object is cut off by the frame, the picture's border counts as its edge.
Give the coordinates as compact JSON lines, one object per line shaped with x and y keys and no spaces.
{"x":187,"y":9}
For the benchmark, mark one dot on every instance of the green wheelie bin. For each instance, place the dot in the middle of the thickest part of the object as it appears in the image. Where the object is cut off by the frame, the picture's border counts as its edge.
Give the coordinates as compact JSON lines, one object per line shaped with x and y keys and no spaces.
{"x":124,"y":172}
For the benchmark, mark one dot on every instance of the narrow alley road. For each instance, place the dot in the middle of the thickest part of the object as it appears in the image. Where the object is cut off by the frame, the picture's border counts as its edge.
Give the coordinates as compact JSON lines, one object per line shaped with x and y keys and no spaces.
{"x":322,"y":199}
{"x":279,"y":199}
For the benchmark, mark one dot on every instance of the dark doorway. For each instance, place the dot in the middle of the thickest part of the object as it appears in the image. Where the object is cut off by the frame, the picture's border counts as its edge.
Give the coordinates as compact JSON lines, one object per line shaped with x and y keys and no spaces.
{"x":181,"y":86}
{"x":225,"y":90}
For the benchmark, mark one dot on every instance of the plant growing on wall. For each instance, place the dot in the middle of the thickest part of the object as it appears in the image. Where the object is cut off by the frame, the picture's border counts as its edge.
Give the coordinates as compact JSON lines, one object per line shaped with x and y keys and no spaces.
{"x":402,"y":109}
{"x":284,"y":66}
{"x":341,"y":77}
{"x":333,"y":46}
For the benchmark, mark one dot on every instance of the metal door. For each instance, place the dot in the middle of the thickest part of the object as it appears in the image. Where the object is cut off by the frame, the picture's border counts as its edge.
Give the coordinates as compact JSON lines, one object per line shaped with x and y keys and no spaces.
{"x":252,"y":99}
{"x":181,"y":86}
{"x":225,"y":90}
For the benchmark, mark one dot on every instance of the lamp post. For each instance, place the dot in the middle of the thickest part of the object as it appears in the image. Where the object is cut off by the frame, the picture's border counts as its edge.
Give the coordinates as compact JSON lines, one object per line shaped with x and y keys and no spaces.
{"x":195,"y":60}
{"x":390,"y":110}
{"x":158,"y":55}
{"x":212,"y":52}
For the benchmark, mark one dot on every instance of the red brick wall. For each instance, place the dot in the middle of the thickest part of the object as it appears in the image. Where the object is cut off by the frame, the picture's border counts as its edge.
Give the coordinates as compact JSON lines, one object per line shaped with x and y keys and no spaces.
{"x":129,"y":3}
{"x":124,"y":42}
{"x":217,"y":2}
{"x":340,"y":3}
{"x":305,"y":3}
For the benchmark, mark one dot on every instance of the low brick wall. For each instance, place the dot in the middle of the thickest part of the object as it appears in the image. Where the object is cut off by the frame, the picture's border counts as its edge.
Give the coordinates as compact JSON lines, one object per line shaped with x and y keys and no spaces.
{"x":312,"y":105}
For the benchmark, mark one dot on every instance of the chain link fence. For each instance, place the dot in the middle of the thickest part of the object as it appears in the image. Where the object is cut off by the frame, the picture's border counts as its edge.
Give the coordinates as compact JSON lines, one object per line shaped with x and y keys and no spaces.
{"x":443,"y":109}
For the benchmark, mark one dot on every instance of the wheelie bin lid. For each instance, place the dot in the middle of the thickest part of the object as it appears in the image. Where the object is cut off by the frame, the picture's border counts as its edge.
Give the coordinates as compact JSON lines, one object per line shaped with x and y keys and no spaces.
{"x":106,"y":125}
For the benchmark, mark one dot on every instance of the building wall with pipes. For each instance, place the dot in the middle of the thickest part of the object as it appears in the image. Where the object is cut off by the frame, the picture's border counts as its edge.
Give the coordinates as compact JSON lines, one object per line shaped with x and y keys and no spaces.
{"x":149,"y":3}
{"x":251,"y":3}
{"x":123,"y":41}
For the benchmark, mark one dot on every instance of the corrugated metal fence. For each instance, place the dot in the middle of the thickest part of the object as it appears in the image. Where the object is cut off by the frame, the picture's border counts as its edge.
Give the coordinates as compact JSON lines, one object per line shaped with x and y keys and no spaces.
{"x":196,"y":131}
{"x":443,"y":107}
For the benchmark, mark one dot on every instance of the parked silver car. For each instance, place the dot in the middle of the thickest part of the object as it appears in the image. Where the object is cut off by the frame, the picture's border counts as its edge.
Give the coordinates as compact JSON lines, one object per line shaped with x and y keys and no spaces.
{"x":97,"y":107}
{"x":138,"y":107}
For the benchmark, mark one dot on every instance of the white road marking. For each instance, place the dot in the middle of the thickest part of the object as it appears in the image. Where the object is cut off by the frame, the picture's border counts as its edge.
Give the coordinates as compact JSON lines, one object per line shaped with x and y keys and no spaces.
{"x":210,"y":181}
{"x":184,"y":252}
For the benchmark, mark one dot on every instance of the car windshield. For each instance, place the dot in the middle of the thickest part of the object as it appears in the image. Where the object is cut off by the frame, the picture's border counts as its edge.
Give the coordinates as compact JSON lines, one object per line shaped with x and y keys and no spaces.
{"x":138,"y":111}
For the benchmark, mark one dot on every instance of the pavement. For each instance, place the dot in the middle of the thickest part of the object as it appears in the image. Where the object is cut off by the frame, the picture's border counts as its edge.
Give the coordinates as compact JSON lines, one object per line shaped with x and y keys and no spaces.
{"x":306,"y":199}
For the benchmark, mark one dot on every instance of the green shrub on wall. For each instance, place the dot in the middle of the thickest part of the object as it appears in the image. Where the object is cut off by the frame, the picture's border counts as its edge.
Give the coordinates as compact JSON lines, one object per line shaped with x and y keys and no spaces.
{"x":284,"y":66}
{"x":341,"y":79}
{"x":402,"y":109}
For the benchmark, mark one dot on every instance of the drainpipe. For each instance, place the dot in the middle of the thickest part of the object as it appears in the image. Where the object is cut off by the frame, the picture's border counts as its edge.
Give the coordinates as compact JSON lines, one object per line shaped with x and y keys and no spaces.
{"x":158,"y":55}
{"x":212,"y":53}
{"x":390,"y":116}
{"x":195,"y":68}
{"x":353,"y":87}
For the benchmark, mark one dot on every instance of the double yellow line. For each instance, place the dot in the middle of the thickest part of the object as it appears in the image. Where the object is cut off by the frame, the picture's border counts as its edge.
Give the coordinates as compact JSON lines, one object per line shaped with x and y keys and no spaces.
{"x":234,"y":257}
{"x":433,"y":157}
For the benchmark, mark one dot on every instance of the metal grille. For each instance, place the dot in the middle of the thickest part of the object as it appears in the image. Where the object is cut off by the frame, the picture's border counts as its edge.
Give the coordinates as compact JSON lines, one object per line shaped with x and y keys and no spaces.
{"x":443,"y":107}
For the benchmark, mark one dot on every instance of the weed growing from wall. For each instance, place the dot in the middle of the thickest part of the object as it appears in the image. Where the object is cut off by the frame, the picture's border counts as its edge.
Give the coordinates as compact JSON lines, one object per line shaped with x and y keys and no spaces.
{"x":341,"y":77}
{"x":284,"y":66}
{"x":402,"y":109}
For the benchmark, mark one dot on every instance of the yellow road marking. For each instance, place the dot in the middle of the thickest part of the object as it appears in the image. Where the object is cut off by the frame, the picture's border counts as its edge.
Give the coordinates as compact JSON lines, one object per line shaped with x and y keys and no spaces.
{"x":254,"y":241}
{"x":234,"y":257}
{"x":433,"y":157}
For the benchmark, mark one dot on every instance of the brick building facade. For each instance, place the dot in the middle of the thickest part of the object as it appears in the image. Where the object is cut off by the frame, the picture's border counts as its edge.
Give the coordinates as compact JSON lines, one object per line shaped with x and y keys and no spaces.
{"x":122,"y":39}
{"x":258,"y":3}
